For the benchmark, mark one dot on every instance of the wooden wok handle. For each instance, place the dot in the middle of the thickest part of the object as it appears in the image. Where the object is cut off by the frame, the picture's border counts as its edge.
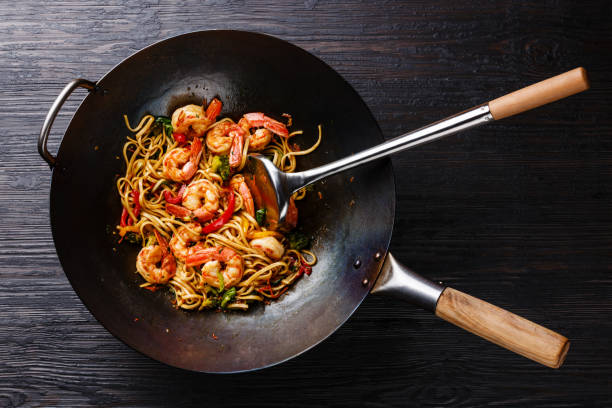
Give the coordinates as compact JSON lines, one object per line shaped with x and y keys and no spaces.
{"x":540,"y":93}
{"x":503,"y":328}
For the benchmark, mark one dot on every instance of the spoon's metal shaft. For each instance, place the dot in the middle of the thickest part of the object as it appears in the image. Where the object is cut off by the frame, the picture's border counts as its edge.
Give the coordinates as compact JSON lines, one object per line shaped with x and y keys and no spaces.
{"x":464,"y":120}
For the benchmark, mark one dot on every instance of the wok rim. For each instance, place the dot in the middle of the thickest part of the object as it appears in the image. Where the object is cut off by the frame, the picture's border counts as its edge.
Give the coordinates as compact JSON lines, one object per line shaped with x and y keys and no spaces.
{"x":384,"y":249}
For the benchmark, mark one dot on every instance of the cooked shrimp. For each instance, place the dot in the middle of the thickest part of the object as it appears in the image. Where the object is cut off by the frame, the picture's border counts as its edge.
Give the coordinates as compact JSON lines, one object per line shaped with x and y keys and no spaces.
{"x":258,"y":119}
{"x":202,"y":198}
{"x":269,"y":246}
{"x":259,"y":139}
{"x":192,"y":121}
{"x":181,"y":242}
{"x":180,"y":164}
{"x":154,"y":263}
{"x":227,"y":138}
{"x":218,"y":139}
{"x":212,"y":259}
{"x":239,"y":185}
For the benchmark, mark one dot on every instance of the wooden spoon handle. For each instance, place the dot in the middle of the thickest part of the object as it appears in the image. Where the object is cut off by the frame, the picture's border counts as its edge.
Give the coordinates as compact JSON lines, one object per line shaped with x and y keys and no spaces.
{"x":503,"y":328}
{"x":540,"y":93}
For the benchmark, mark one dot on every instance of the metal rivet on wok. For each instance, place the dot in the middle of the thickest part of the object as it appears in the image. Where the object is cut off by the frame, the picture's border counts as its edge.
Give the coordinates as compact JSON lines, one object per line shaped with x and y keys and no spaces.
{"x":377,"y":256}
{"x":365,"y":281}
{"x":357,"y":263}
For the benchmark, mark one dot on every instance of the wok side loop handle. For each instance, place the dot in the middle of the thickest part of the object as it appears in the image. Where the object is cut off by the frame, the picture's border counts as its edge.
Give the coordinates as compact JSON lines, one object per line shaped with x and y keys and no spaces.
{"x":503,"y":328}
{"x":54,"y":110}
{"x":540,"y":93}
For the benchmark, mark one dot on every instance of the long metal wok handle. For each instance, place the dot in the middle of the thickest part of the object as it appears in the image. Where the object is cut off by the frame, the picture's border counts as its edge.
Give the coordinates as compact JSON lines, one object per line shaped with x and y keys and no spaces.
{"x":57,"y":104}
{"x":531,"y":97}
{"x":490,"y":322}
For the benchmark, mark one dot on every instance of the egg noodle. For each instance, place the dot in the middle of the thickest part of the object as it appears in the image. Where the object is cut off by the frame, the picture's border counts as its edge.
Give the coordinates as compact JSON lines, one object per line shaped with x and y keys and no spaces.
{"x":229,"y":260}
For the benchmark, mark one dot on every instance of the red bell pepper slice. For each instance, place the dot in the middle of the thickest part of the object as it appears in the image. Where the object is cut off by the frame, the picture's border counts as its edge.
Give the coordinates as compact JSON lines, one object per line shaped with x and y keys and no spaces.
{"x":124,"y":217}
{"x":305,"y":268}
{"x":135,"y":198}
{"x":180,"y":138}
{"x":171,"y":198}
{"x":223,"y":219}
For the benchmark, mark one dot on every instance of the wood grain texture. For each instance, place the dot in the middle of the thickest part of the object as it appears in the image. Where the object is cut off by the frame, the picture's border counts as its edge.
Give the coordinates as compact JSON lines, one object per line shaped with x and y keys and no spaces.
{"x":539,"y":94}
{"x":517,"y":212}
{"x":503,"y":328}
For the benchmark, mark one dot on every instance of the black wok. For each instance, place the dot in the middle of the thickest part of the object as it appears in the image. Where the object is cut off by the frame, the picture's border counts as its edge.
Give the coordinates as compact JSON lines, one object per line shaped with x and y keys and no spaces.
{"x":248,"y":72}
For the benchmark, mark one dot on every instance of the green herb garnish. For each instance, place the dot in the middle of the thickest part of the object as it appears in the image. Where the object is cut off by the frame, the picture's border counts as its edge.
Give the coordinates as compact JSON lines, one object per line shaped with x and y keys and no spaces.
{"x":133,"y":238}
{"x":298,"y":241}
{"x":260,"y":216}
{"x":228,"y":297}
{"x":166,"y":122}
{"x":211,"y":302}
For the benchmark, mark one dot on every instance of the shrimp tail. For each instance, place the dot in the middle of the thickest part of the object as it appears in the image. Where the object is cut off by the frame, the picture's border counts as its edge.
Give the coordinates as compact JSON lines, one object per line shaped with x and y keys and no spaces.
{"x":213,"y":110}
{"x":276,"y":127}
{"x":247,"y":198}
{"x":177,"y":210}
{"x":235,"y":156}
{"x":169,"y":264}
{"x":258,"y":119}
{"x":162,"y":242}
{"x":196,"y":150}
{"x":255,"y":119}
{"x":191,"y":166}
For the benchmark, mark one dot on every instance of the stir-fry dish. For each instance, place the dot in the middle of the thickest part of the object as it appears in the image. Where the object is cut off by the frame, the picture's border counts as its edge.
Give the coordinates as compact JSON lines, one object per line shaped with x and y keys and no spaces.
{"x":187,"y":204}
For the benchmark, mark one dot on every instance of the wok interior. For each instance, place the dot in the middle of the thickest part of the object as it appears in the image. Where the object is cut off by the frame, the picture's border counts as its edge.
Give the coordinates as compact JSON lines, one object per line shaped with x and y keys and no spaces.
{"x":248,"y":72}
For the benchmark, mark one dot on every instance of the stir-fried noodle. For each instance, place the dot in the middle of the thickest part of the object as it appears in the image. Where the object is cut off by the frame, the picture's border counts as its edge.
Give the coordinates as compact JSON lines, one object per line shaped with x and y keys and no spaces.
{"x":185,"y":201}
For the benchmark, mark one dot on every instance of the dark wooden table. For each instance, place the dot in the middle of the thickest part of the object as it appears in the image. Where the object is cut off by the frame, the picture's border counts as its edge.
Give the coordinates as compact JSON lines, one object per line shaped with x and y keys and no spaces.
{"x":518,"y":213}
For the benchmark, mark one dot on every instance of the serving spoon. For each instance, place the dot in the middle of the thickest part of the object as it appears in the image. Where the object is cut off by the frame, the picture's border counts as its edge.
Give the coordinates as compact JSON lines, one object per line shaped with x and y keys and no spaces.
{"x":272,"y":188}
